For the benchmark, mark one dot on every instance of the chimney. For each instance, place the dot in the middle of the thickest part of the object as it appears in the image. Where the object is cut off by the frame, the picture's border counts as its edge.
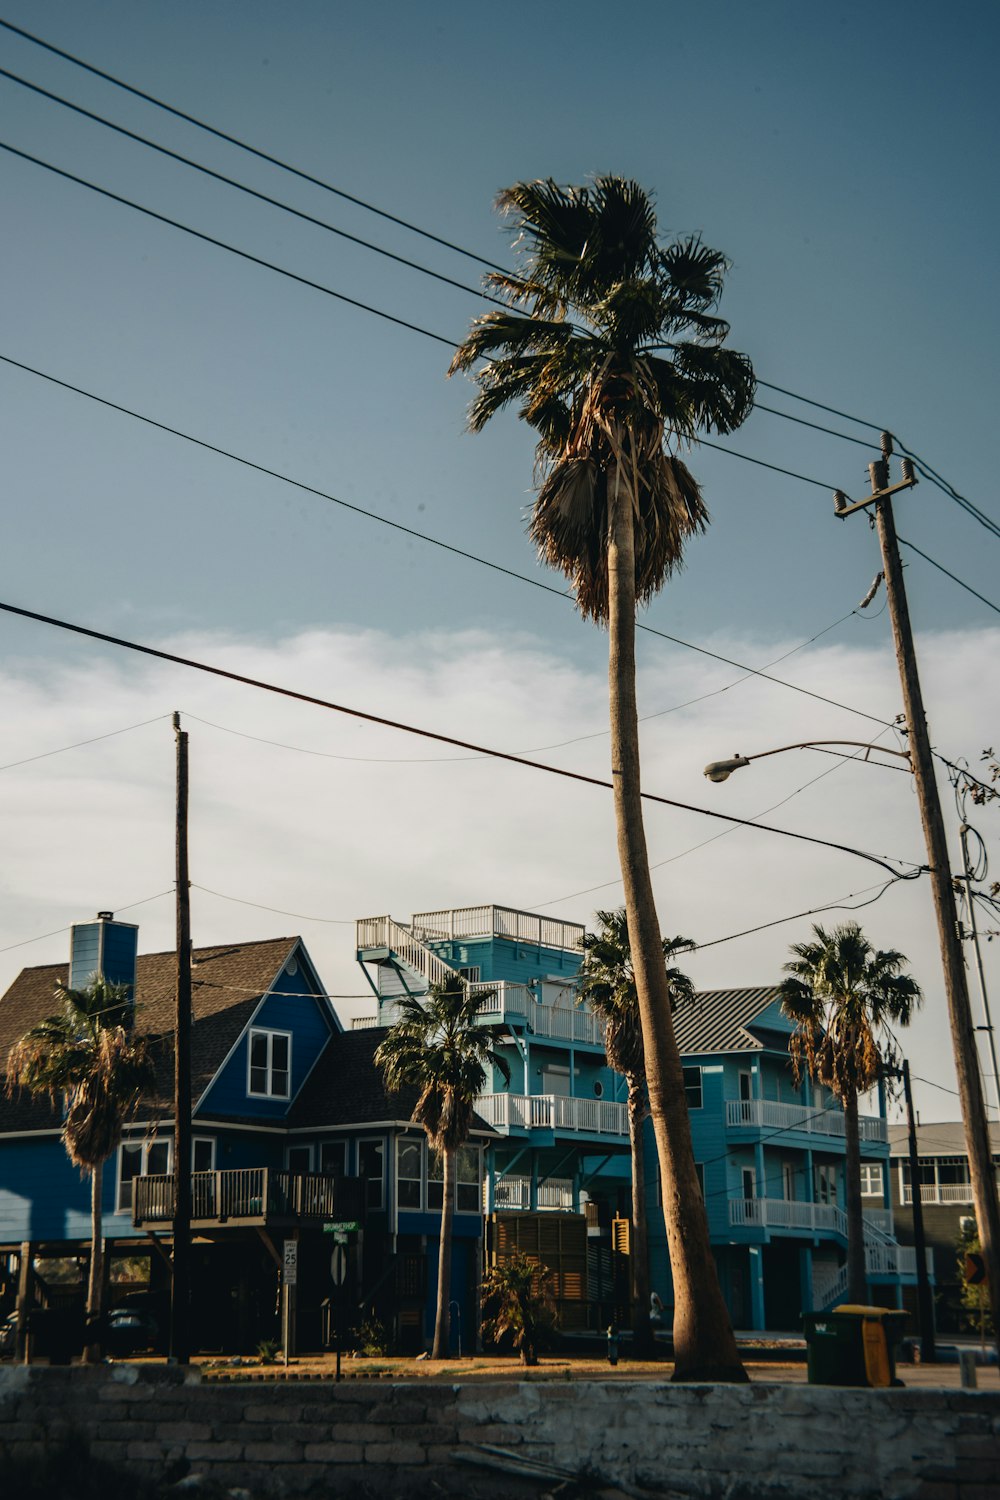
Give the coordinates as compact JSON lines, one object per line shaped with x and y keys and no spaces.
{"x":103,"y":947}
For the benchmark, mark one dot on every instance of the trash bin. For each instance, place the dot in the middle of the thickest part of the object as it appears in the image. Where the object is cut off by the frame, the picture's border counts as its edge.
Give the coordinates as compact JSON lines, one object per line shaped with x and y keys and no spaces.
{"x":853,"y":1345}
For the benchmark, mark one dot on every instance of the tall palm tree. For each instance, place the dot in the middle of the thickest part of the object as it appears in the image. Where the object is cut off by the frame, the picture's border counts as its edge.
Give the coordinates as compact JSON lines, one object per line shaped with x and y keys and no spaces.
{"x":844,"y":995}
{"x":87,"y":1058}
{"x":438,"y":1047}
{"x":607,"y":981}
{"x":612,"y":352}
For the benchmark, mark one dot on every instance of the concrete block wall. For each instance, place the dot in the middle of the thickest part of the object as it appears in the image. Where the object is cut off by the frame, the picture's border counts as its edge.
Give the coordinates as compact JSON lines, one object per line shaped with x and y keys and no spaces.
{"x":291,"y":1439}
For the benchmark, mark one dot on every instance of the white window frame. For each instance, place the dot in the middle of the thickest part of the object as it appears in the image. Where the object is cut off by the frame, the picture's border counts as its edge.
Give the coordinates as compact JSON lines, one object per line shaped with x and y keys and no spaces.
{"x":203,"y":1140}
{"x":871,"y":1179}
{"x":373,"y":1140}
{"x":270,"y":1033}
{"x":695,"y":1068}
{"x":408,"y":1142}
{"x":471,"y":973}
{"x":144,"y":1145}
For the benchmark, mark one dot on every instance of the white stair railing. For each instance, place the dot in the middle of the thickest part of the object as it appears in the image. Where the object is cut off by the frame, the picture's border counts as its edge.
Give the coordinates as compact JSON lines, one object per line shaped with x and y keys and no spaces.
{"x":383,"y":932}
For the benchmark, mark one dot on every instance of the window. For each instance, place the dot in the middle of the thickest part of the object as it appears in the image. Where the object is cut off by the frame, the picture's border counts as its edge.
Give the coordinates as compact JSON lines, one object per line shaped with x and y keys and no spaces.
{"x":371,"y":1170}
{"x":139,"y":1159}
{"x":788,"y":1181}
{"x":826,"y":1184}
{"x":203,"y":1154}
{"x":469,"y":1190}
{"x":269,"y":1067}
{"x":746,"y":1086}
{"x":871,"y":1180}
{"x":748,"y":1178}
{"x":692,"y":1087}
{"x":471,"y":972}
{"x":300,"y":1159}
{"x":409,"y":1162}
{"x":333,"y":1158}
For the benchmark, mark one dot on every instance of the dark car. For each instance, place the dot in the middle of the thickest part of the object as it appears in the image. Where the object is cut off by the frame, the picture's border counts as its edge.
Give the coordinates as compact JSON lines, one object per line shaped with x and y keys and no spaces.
{"x":138,"y":1325}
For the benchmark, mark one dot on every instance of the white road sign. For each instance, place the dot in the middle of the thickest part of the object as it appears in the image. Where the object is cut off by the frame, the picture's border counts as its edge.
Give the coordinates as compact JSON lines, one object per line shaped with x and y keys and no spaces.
{"x":290,"y":1263}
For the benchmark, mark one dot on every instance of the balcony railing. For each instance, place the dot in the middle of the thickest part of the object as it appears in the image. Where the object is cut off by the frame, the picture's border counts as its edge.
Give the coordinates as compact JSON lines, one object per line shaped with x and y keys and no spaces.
{"x":553,"y":1112}
{"x":253,"y":1195}
{"x":504,"y":999}
{"x":497,"y":921}
{"x":940,"y":1192}
{"x":768,"y":1114}
{"x":515,"y":1192}
{"x":566,"y":1024}
{"x":818,"y":1218}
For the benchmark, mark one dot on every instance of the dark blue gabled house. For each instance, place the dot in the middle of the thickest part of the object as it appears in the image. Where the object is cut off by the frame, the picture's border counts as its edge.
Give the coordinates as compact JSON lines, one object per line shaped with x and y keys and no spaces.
{"x":292,"y":1130}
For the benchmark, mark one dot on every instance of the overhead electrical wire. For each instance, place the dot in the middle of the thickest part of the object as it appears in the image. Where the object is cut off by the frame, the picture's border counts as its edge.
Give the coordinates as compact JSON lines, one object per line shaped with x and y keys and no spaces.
{"x":44,"y":754}
{"x":948,"y":574}
{"x":384,"y":722}
{"x":130,"y":906}
{"x":412,"y":228}
{"x":423,"y":536}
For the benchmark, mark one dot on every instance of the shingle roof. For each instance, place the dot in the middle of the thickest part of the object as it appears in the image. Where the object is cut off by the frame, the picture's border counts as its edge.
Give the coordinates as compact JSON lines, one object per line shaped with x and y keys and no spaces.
{"x":228,"y":981}
{"x":937,"y":1138}
{"x":345,"y":1087}
{"x":720,"y":1020}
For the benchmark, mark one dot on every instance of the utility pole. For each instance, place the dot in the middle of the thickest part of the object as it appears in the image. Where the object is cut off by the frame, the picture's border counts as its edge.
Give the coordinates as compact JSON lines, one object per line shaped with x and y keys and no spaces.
{"x":984,"y":1188}
{"x":180,"y":1300}
{"x":925,"y":1306}
{"x":963,"y":834}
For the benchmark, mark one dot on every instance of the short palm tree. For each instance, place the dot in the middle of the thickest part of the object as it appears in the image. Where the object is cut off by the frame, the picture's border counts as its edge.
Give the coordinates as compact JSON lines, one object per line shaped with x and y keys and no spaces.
{"x":844,"y":996}
{"x":607,"y":983}
{"x":87,"y":1057}
{"x":612,"y":352}
{"x":438,"y":1047}
{"x":517,"y":1296}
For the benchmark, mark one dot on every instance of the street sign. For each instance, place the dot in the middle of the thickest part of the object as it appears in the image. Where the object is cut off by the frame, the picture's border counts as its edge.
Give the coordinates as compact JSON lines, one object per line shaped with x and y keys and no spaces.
{"x":338,"y":1265}
{"x":290,"y":1263}
{"x":345,"y":1226}
{"x":975,"y":1268}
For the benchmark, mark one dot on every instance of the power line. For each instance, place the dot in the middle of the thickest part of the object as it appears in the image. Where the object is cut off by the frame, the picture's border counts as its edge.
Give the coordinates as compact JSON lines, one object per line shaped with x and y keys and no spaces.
{"x":26,"y":942}
{"x":430,"y":734}
{"x":277,"y":910}
{"x":422,"y":536}
{"x":242,"y":187}
{"x":233,"y":140}
{"x":208,"y":239}
{"x":44,"y":755}
{"x":812,"y":912}
{"x":954,"y":578}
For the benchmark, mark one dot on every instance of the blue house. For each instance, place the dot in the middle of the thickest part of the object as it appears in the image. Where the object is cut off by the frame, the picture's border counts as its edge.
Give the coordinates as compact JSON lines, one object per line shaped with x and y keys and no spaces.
{"x":292,"y":1129}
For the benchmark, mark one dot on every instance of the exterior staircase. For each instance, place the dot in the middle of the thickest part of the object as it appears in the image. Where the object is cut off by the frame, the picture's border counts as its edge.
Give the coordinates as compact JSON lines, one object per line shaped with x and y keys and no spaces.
{"x":383,"y":933}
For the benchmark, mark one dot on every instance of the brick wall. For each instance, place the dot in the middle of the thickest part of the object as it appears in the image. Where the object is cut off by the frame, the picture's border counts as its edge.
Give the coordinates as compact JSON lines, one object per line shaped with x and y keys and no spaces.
{"x":281,"y":1438}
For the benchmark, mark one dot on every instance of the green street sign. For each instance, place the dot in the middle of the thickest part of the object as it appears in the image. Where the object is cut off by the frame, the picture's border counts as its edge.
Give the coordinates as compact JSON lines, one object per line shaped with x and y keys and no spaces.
{"x":347,"y":1226}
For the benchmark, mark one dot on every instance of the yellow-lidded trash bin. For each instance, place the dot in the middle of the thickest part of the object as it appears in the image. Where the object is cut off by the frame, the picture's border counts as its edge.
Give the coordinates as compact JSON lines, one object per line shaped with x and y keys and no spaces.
{"x":853,"y":1345}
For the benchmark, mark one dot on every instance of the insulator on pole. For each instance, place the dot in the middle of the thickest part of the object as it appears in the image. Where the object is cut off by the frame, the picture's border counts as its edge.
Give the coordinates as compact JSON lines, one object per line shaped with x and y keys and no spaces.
{"x":885,"y":439}
{"x":908,"y":469}
{"x":839,"y":502}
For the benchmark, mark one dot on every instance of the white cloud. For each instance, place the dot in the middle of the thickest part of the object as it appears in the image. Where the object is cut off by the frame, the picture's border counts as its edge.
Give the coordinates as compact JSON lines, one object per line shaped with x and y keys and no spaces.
{"x":412,"y":825}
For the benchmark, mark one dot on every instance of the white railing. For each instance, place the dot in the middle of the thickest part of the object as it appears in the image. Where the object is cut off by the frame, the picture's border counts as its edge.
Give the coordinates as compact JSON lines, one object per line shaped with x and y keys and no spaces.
{"x":363,"y":1023}
{"x":497,"y":921}
{"x":829,"y":1286}
{"x":820,"y":1218}
{"x":769,"y":1114}
{"x":383,"y":932}
{"x":940,"y":1192}
{"x":569,"y":1024}
{"x":553,"y":1112}
{"x":515,"y":1192}
{"x":511,"y":1192}
{"x":503,"y":998}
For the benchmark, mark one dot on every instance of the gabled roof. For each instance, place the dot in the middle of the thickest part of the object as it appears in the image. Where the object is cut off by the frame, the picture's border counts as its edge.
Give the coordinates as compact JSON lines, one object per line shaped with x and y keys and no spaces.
{"x":227,"y":984}
{"x":721,"y":1020}
{"x":345,"y":1088}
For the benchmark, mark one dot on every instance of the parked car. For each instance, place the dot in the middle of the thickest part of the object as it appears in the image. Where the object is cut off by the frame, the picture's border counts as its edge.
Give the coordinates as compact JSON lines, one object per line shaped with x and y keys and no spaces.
{"x":138,"y":1325}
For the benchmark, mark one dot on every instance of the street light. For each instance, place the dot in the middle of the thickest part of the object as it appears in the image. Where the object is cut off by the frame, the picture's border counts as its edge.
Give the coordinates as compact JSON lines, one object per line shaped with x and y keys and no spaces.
{"x":721,"y":770}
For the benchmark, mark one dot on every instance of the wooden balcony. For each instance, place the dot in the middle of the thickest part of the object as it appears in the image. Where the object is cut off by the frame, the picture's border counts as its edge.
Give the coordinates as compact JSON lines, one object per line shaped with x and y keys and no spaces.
{"x":254,"y":1196}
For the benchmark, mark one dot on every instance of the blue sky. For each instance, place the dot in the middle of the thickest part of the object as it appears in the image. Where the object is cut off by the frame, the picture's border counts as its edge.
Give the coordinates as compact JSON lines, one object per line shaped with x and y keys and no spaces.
{"x":839,"y":155}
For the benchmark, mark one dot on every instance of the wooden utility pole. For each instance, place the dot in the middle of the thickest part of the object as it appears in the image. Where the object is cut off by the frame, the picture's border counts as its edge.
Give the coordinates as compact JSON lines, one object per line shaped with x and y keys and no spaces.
{"x":984,"y":1189}
{"x":925,"y":1305}
{"x":180,"y":1300}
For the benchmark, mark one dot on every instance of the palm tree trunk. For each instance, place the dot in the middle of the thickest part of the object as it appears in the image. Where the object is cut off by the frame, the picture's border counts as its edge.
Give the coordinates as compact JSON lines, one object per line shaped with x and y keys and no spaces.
{"x":857,"y":1274}
{"x":704,"y":1345}
{"x":95,"y":1284}
{"x":642,"y":1330}
{"x":442,"y":1320}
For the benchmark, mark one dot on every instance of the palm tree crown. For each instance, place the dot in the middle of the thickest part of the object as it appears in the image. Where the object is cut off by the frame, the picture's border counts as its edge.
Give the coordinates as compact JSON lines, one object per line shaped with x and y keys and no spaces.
{"x":438,"y":1047}
{"x":607,"y":983}
{"x":613,"y":355}
{"x":844,"y":995}
{"x":88,"y":1055}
